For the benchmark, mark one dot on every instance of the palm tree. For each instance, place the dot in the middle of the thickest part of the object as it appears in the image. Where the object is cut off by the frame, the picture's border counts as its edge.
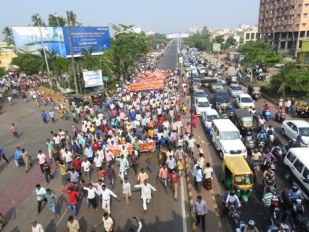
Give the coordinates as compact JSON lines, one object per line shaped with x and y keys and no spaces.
{"x":8,"y":35}
{"x":73,"y":19}
{"x":55,"y":20}
{"x":37,"y":21}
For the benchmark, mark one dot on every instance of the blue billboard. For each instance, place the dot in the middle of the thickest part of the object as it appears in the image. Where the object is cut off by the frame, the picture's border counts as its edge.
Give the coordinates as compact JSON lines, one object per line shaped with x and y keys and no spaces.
{"x":57,"y":39}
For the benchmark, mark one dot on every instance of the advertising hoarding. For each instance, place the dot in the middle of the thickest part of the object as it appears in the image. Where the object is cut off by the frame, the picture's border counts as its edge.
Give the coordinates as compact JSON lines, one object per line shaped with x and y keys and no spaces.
{"x":57,"y":39}
{"x":93,"y":78}
{"x":216,"y":47}
{"x":147,"y":85}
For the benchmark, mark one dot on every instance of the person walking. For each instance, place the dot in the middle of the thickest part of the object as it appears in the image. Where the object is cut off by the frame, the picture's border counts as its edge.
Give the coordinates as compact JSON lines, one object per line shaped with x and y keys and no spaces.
{"x":10,"y":100}
{"x":18,"y":157}
{"x":52,"y":202}
{"x":63,"y":172}
{"x":142,"y":176}
{"x":35,"y":227}
{"x":2,"y":155}
{"x":85,"y":167}
{"x":200,"y":210}
{"x":267,"y":197}
{"x":50,"y":146}
{"x":44,"y":117}
{"x":106,"y":195}
{"x":111,"y":175}
{"x":47,"y":173}
{"x":123,"y":166}
{"x":146,"y":189}
{"x":51,"y":114}
{"x":73,"y":225}
{"x":14,"y":130}
{"x":174,"y":182}
{"x":91,"y":195}
{"x":40,"y":196}
{"x":107,"y":223}
{"x":208,"y":175}
{"x":198,"y":178}
{"x":27,"y":159}
{"x":134,"y":162}
{"x":42,"y":159}
{"x":72,"y":199}
{"x":126,"y":190}
{"x":163,"y":177}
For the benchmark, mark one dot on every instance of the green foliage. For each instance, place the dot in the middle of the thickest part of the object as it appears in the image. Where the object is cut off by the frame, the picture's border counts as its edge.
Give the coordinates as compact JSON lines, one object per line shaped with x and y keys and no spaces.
{"x":56,"y":21}
{"x":157,"y":38}
{"x":291,"y":79}
{"x":230,"y":41}
{"x":201,"y":42}
{"x":28,"y":63}
{"x":259,"y":52}
{"x":37,"y":21}
{"x":2,"y":71}
{"x":219,"y":39}
{"x":8,"y":35}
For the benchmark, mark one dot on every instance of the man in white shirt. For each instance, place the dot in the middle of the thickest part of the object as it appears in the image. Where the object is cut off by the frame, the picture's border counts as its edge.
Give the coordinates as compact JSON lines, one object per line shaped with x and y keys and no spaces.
{"x":68,"y":157}
{"x":126,"y":190}
{"x":40,"y":196}
{"x":106,"y":195}
{"x":85,"y":166}
{"x":123,"y":166}
{"x":145,"y":192}
{"x":98,"y":161}
{"x":36,"y":227}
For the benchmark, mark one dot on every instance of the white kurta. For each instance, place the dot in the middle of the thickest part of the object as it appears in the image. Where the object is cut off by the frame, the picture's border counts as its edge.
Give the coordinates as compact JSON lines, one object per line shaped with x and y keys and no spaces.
{"x":145,"y":193}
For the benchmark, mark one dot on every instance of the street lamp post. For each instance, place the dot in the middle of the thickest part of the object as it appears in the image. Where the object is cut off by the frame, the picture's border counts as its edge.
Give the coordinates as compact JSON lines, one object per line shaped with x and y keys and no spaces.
{"x":192,"y":102}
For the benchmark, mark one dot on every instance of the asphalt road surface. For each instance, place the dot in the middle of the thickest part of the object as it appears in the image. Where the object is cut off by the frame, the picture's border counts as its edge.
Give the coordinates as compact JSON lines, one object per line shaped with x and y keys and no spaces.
{"x":18,"y":201}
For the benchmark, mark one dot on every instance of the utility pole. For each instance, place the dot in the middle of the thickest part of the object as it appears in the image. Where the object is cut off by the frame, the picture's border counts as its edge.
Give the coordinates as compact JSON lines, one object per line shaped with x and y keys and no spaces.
{"x":45,"y":58}
{"x":192,"y":100}
{"x":71,"y":52}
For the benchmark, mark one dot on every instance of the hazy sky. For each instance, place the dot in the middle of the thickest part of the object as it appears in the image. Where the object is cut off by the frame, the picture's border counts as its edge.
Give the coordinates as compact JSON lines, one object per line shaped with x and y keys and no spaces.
{"x":161,"y":16}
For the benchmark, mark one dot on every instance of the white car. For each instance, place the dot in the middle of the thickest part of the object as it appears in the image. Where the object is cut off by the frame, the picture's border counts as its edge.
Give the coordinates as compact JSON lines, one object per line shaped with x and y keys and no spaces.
{"x":201,"y":105}
{"x":293,"y":128}
{"x":207,"y":117}
{"x":244,"y":101}
{"x":202,"y":70}
{"x":199,"y":93}
{"x":234,"y":90}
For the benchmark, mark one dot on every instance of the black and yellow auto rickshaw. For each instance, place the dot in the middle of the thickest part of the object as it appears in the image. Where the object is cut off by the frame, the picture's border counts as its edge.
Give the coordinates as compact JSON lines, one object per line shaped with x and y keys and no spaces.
{"x":254,"y":91}
{"x":243,"y":120}
{"x":302,"y":109}
{"x":237,"y":175}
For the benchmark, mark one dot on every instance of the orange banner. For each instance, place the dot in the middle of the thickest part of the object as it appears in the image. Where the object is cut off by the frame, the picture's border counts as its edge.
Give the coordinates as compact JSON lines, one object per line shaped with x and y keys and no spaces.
{"x":116,"y":149}
{"x":147,"y":85}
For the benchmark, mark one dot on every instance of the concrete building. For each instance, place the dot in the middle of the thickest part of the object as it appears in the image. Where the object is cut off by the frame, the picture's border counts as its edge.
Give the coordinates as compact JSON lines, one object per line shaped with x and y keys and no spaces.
{"x":250,"y":35}
{"x":284,"y":23}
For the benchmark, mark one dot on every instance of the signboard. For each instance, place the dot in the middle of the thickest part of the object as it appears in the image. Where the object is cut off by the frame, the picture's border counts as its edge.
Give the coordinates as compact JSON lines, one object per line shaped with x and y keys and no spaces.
{"x":144,"y":147}
{"x":57,"y":39}
{"x":147,"y":85}
{"x":93,"y":78}
{"x":216,"y":47}
{"x":180,"y":59}
{"x":105,"y":78}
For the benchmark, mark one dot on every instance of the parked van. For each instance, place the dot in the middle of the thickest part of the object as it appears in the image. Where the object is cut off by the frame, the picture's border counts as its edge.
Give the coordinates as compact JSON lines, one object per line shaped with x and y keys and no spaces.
{"x":226,"y":138}
{"x":297,"y":163}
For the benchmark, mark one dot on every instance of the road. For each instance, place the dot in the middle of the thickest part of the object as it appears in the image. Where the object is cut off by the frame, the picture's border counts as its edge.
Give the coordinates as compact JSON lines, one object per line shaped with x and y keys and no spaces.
{"x":18,"y":201}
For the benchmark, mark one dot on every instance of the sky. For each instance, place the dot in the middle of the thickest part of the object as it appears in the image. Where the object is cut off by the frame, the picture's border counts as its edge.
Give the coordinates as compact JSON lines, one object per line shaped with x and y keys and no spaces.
{"x":162,"y":16}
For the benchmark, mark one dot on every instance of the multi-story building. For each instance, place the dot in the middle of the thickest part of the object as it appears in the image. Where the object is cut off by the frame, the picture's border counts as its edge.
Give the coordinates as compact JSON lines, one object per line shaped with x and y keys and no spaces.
{"x":284,"y":23}
{"x":250,"y":35}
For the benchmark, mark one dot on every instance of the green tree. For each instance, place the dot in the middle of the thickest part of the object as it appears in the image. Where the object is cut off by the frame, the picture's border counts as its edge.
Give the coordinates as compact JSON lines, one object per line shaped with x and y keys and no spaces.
{"x":8,"y":35}
{"x":259,"y":52}
{"x":201,"y":42}
{"x":219,"y":39}
{"x":157,"y":38}
{"x":73,"y":19}
{"x":56,"y":21}
{"x":2,"y":71}
{"x":27,"y":62}
{"x":230,"y":41}
{"x":89,"y":61}
{"x":37,"y":21}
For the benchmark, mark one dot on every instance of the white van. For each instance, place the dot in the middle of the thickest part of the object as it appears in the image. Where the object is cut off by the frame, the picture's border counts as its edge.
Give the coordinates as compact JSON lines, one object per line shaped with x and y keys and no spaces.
{"x":201,"y":105}
{"x":226,"y":138}
{"x":297,"y":163}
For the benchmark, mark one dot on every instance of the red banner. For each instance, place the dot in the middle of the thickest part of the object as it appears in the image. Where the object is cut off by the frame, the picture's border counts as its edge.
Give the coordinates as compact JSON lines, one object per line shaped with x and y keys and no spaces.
{"x":116,"y":149}
{"x":147,"y":85}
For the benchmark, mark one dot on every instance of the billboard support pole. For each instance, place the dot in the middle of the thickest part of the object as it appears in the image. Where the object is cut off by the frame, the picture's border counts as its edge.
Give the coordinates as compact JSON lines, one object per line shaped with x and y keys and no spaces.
{"x":71,"y":51}
{"x":45,"y":58}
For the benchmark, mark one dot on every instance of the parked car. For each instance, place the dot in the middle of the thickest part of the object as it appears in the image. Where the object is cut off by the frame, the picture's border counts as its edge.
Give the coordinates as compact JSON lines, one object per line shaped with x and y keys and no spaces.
{"x":207,"y":117}
{"x":215,"y":86}
{"x":293,"y":128}
{"x":296,"y":162}
{"x":244,"y":101}
{"x":199,"y":93}
{"x":279,"y":65}
{"x":221,"y":96}
{"x":201,"y":104}
{"x":234,"y":90}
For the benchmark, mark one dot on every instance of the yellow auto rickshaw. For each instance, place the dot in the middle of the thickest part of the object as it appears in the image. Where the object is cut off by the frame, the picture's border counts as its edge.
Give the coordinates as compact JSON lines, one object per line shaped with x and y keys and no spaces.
{"x":237,"y":175}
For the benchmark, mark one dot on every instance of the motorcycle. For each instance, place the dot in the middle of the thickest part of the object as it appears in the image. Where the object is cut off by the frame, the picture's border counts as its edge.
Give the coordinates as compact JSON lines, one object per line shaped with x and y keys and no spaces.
{"x":256,"y":167}
{"x":234,"y":214}
{"x":250,"y":144}
{"x":261,"y":145}
{"x":272,"y":164}
{"x":266,"y":114}
{"x":278,"y":152}
{"x":298,"y":209}
{"x":280,"y":116}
